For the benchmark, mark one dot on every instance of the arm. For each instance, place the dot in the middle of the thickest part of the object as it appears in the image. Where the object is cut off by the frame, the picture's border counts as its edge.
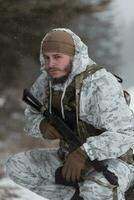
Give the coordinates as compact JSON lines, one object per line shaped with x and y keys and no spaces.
{"x":34,"y":118}
{"x":103,"y":105}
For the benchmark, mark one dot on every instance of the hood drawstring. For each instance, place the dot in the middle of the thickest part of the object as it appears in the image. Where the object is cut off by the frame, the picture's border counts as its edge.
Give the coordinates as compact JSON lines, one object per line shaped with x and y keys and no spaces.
{"x":62,"y":97}
{"x":61,"y":103}
{"x":50,"y":97}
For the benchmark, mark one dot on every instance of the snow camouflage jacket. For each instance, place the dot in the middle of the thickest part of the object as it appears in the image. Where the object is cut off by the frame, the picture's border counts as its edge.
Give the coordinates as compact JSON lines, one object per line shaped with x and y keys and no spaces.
{"x":102,"y":104}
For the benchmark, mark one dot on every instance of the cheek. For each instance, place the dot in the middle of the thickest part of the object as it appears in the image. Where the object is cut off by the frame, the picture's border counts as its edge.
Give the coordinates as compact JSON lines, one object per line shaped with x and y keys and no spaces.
{"x":61,"y":66}
{"x":46,"y":64}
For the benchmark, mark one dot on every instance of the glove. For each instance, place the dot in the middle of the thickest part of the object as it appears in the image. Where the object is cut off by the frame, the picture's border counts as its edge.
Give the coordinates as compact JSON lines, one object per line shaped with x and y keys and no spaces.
{"x":74,"y":164}
{"x":48,"y":131}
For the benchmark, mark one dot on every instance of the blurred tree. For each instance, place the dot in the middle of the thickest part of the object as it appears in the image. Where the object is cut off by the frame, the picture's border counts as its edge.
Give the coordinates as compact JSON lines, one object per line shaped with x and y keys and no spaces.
{"x":23,"y":24}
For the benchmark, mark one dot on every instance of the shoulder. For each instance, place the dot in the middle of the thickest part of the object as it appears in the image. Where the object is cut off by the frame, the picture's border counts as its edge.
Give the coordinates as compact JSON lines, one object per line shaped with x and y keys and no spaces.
{"x":101,"y":83}
{"x":40,"y":85}
{"x":41,"y":79}
{"x":102,"y":77}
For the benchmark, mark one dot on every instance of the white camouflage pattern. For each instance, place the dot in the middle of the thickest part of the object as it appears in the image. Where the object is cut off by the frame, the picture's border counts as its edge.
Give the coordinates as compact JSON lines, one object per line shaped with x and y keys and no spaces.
{"x":102,"y":104}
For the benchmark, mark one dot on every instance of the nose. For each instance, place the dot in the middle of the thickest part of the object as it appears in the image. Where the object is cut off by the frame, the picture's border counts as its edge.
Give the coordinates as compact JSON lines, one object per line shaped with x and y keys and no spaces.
{"x":51,"y":63}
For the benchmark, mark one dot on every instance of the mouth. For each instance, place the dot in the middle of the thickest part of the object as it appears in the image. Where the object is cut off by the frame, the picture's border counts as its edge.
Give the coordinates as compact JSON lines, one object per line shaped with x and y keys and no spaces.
{"x":53,"y":70}
{"x":54,"y":73}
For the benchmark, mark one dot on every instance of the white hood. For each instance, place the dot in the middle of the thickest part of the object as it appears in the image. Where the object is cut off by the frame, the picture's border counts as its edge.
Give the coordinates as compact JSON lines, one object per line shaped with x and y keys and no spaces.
{"x":80,"y":59}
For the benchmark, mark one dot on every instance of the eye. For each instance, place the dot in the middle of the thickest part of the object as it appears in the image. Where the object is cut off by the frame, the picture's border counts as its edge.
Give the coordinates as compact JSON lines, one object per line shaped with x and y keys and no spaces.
{"x":46,"y":57}
{"x":57,"y":56}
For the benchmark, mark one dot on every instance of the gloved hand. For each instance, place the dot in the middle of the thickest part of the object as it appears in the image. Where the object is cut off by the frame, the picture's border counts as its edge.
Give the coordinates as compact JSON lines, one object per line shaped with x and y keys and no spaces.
{"x":74,"y":163}
{"x":49,"y":131}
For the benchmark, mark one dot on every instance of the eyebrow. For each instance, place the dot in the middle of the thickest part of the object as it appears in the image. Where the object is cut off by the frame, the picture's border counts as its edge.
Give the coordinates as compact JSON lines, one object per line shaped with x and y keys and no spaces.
{"x":55,"y":54}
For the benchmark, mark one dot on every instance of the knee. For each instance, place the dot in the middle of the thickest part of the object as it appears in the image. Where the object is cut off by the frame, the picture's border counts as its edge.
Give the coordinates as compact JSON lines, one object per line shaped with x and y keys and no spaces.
{"x":90,"y":190}
{"x":14,"y":165}
{"x":10,"y":166}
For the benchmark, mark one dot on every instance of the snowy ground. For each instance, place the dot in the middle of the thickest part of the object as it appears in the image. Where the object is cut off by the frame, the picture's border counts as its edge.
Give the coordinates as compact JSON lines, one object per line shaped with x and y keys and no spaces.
{"x":11,"y":191}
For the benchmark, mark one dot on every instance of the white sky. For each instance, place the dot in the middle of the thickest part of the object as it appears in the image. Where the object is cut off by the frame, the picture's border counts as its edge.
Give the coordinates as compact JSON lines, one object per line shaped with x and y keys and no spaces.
{"x":127,"y":9}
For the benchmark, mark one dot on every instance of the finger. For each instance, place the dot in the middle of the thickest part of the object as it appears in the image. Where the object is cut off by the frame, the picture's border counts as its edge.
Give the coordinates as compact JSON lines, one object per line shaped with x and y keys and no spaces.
{"x":49,"y":135}
{"x":68,"y":173}
{"x":78,"y":174}
{"x":74,"y":174}
{"x":54,"y":132}
{"x":50,"y":128}
{"x":64,"y":170}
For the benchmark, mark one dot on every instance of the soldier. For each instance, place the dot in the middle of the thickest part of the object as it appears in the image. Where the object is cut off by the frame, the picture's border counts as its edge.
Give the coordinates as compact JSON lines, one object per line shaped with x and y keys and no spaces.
{"x":92,"y":103}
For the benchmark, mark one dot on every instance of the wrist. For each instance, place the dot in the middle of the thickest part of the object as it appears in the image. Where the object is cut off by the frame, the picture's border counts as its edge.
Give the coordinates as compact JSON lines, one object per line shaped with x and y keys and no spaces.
{"x":82,"y":148}
{"x":82,"y":151}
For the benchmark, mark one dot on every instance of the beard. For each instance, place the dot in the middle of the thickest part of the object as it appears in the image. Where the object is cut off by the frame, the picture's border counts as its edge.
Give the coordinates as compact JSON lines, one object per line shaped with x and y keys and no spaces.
{"x":62,"y":79}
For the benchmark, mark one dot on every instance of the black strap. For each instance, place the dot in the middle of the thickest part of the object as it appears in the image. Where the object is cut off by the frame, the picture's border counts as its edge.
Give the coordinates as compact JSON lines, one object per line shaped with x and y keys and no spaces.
{"x":76,"y":195}
{"x":59,"y":179}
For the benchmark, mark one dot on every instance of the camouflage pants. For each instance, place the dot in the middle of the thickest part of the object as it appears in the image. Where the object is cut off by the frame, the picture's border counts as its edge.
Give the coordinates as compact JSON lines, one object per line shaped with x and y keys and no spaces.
{"x":35,"y":170}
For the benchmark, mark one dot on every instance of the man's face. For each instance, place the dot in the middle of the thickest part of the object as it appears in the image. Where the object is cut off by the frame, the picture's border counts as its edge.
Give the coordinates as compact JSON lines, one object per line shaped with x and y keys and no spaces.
{"x":58,"y":65}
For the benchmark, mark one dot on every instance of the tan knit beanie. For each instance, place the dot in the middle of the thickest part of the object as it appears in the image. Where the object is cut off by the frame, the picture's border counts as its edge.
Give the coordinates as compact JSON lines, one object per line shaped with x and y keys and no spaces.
{"x":59,"y":42}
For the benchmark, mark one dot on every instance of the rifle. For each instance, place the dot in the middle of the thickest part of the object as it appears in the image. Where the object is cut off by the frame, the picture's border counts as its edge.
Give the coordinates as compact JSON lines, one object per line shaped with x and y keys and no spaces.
{"x":68,"y":135}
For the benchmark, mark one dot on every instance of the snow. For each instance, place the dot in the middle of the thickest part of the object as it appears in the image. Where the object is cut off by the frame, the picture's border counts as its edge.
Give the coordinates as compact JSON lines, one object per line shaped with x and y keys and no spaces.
{"x":11,"y":191}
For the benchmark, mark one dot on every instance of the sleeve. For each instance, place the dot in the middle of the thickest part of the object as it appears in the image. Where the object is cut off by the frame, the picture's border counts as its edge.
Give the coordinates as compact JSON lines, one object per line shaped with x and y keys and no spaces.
{"x":33,"y":117}
{"x":103,"y":105}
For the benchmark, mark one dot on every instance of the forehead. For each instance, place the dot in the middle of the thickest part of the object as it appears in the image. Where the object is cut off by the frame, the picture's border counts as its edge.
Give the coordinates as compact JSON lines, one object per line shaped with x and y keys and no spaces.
{"x":49,"y":54}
